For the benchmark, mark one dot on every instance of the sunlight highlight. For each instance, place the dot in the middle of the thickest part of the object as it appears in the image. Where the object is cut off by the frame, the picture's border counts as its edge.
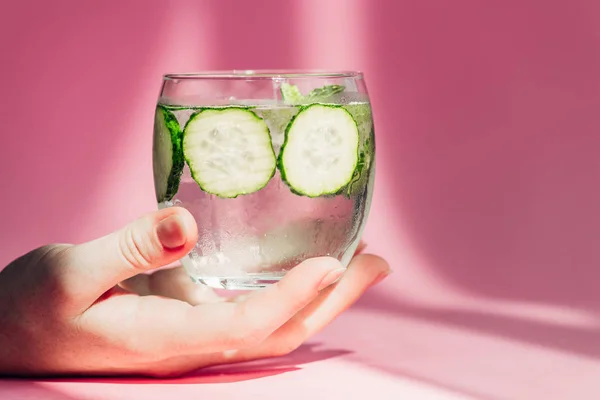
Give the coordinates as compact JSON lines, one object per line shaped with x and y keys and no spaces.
{"x":331,"y":34}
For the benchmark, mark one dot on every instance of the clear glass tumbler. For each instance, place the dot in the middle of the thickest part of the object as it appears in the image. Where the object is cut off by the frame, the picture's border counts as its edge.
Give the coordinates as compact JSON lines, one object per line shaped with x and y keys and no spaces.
{"x":275,"y":166}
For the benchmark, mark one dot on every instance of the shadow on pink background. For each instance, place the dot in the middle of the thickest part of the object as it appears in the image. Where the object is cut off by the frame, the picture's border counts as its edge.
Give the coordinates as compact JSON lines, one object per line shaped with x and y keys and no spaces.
{"x":488,"y":189}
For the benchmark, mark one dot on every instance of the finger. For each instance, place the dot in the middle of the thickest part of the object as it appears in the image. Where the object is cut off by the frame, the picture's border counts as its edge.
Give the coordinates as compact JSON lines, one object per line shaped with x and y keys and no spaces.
{"x":152,"y":241}
{"x":247,"y":323}
{"x":174,"y":283}
{"x":160,"y":327}
{"x":363,"y":272}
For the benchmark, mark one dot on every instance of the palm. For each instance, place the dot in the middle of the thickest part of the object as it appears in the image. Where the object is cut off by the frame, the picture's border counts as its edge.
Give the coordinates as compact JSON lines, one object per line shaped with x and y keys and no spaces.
{"x":150,"y":306}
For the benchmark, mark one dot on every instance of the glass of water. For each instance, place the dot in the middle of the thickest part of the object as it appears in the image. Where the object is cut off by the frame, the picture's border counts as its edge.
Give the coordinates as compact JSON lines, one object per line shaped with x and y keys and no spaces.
{"x":275,"y":166}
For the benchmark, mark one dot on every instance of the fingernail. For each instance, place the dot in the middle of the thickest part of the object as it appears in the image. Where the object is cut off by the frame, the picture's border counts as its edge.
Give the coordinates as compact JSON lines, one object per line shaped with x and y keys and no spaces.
{"x":171,"y":232}
{"x":382,"y":276}
{"x":331,"y":277}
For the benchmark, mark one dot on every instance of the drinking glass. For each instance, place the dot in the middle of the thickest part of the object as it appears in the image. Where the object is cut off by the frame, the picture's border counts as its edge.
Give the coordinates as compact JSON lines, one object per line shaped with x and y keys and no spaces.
{"x":275,"y":166}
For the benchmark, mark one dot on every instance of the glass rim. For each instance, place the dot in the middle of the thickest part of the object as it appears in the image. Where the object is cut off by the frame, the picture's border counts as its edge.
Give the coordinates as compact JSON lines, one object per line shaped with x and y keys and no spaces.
{"x":263,"y":74}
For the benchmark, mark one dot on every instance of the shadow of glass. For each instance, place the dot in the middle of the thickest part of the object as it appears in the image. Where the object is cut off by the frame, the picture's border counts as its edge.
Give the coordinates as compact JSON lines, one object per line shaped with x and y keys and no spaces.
{"x":582,"y":340}
{"x":251,"y":370}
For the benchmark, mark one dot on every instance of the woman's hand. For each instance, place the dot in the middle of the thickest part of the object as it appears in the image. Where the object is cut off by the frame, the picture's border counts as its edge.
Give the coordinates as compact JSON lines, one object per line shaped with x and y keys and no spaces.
{"x":90,"y":309}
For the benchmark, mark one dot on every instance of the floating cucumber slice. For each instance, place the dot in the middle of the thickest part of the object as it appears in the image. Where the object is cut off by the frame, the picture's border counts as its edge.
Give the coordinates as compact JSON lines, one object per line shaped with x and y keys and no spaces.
{"x":229,"y":151}
{"x":320,"y":151}
{"x":168,"y":156}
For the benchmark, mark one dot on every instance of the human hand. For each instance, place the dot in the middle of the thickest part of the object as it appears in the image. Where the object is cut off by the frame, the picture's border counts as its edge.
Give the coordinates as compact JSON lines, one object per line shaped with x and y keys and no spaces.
{"x":91,"y":309}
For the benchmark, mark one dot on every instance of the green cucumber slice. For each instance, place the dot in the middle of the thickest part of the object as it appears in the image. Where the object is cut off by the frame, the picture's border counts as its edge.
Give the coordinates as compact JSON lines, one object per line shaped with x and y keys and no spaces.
{"x":167,"y":154}
{"x":320,"y":150}
{"x":229,"y":151}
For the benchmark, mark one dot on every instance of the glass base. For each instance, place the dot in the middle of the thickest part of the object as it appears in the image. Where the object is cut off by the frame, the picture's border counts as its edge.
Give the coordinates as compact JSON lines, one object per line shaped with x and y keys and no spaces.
{"x":250,"y":282}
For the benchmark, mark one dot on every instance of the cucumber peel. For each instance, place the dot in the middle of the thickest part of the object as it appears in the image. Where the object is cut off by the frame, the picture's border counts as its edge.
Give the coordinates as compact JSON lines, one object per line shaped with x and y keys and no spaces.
{"x":168,"y":155}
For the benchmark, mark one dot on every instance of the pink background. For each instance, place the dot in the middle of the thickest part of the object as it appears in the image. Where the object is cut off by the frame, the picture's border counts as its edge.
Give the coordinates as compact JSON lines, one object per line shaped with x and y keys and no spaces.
{"x":487,"y":199}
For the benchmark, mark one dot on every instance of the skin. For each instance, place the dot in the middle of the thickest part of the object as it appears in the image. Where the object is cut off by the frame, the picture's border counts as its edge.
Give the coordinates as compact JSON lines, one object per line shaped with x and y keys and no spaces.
{"x":94,"y":308}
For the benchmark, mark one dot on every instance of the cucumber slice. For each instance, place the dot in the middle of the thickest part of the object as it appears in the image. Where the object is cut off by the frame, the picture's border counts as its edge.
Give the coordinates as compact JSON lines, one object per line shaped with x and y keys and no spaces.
{"x":168,"y":156}
{"x":229,"y":151}
{"x":320,"y":151}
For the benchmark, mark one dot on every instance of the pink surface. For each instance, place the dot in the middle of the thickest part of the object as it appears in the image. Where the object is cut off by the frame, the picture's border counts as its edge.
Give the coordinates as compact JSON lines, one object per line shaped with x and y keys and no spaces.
{"x":487,"y":196}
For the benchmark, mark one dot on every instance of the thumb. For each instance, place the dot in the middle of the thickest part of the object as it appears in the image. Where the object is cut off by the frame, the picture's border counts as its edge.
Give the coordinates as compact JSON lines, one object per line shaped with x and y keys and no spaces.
{"x":150,"y":242}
